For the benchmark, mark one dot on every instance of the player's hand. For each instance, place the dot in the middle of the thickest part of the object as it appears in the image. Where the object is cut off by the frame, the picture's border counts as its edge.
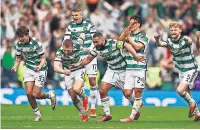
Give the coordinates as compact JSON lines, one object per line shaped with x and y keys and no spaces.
{"x":127,"y":31}
{"x":87,"y":50}
{"x":37,"y":68}
{"x":198,"y":33}
{"x":14,"y":69}
{"x":67,"y":72}
{"x":157,"y":37}
{"x":75,"y":65}
{"x":140,"y":58}
{"x":82,"y":35}
{"x":185,"y":38}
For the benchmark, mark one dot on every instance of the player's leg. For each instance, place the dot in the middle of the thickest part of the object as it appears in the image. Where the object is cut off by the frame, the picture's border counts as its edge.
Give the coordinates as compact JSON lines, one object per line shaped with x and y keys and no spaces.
{"x":139,"y":83}
{"x":184,"y":90}
{"x":29,"y":85}
{"x":40,"y":78}
{"x":78,"y":104}
{"x":91,"y":71}
{"x":77,"y":87}
{"x":103,"y":90}
{"x":107,"y":82}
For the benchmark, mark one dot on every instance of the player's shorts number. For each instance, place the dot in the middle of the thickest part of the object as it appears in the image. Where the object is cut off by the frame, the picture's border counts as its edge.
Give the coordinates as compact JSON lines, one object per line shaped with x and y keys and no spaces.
{"x":94,"y":66}
{"x":188,"y":77}
{"x":41,"y":78}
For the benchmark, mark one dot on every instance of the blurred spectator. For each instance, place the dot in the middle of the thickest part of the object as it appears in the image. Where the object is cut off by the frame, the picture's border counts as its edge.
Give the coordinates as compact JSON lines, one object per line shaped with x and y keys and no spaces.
{"x":48,"y":19}
{"x":7,"y":63}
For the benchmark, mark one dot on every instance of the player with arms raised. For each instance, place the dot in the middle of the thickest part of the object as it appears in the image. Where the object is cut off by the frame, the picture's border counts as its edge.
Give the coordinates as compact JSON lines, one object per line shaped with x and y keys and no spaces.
{"x":135,"y":71}
{"x":36,"y":69}
{"x":184,"y":61}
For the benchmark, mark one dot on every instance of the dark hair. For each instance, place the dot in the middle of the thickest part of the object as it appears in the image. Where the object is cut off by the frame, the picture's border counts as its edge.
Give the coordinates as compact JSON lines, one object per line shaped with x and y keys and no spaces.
{"x":76,"y":9}
{"x":67,"y":42}
{"x":98,"y":34}
{"x":22,"y":31}
{"x":137,"y":18}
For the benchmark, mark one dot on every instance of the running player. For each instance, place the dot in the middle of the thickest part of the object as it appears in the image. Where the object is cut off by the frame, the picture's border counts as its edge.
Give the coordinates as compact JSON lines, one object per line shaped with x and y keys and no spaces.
{"x":184,"y":61}
{"x":67,"y":54}
{"x":36,"y":69}
{"x":74,"y":29}
{"x":135,"y":71}
{"x":109,"y":49}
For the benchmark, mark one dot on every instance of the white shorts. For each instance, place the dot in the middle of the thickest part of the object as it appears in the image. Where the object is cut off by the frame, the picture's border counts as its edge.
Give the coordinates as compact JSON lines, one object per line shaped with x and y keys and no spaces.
{"x":188,"y":77}
{"x":75,"y":75}
{"x":91,"y":68}
{"x":38,"y":77}
{"x":135,"y":79}
{"x":115,"y":78}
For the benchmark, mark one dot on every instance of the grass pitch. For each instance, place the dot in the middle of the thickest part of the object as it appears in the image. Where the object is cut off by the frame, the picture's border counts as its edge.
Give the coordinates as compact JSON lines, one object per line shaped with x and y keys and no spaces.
{"x":67,"y":117}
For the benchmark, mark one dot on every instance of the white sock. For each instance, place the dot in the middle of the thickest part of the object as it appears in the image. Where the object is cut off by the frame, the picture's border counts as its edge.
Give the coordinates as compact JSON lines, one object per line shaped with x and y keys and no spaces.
{"x":132,"y":98}
{"x":197,"y":111}
{"x":82,"y":94}
{"x":136,"y":107}
{"x":78,"y":105}
{"x":36,"y":111}
{"x":93,"y":96}
{"x":188,"y":98}
{"x":106,"y":105}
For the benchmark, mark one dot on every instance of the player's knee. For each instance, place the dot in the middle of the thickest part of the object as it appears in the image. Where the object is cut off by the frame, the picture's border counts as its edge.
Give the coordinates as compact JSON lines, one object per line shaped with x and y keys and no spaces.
{"x":77,"y":90}
{"x":138,"y":93}
{"x":179,"y":90}
{"x":102,"y":92}
{"x":29,"y":93}
{"x":127,"y":95}
{"x":92,"y":81}
{"x":36,"y":95}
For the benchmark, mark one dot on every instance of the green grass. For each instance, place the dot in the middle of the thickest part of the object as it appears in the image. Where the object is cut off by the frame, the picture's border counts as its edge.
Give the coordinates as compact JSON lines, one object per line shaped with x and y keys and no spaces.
{"x":21,"y":117}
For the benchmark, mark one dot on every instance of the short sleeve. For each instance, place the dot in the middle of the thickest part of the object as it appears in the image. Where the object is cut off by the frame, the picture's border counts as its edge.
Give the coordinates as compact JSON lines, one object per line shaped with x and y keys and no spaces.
{"x":39,"y":48}
{"x":18,"y":50}
{"x":144,"y":40}
{"x":93,"y":53}
{"x":58,"y":55}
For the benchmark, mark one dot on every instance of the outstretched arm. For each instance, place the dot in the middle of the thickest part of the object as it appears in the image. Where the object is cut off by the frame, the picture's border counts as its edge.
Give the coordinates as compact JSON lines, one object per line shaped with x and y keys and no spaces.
{"x":83,"y":62}
{"x":159,"y":42}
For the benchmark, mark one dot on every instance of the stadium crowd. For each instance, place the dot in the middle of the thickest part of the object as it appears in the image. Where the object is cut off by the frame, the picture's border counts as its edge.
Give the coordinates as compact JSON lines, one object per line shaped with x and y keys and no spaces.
{"x":47,"y":21}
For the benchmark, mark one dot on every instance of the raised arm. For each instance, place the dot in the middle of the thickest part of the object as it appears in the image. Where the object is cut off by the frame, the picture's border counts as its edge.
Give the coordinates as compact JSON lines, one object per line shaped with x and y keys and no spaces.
{"x":198,"y":40}
{"x":188,"y":40}
{"x":133,"y":52}
{"x":136,"y":46}
{"x":68,"y":32}
{"x":159,"y":42}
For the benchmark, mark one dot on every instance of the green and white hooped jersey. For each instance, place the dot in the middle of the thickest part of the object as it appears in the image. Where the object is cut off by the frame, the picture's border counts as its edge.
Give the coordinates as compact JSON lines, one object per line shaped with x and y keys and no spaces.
{"x":112,"y":54}
{"x":31,"y":52}
{"x":73,"y":58}
{"x":131,"y":61}
{"x":183,"y":56}
{"x":74,"y":30}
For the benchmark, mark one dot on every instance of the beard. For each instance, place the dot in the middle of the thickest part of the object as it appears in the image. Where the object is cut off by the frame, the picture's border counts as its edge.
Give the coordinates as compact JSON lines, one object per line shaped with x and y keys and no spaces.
{"x":100,"y":47}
